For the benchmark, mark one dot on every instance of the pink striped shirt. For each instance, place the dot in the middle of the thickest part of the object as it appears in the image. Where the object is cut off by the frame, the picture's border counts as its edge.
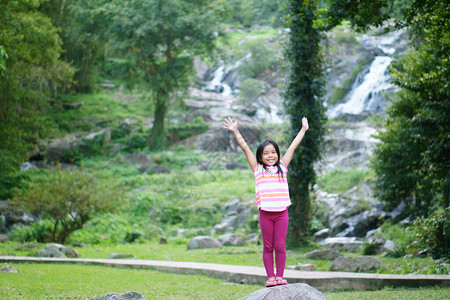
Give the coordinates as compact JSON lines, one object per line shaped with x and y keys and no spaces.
{"x":271,"y":189}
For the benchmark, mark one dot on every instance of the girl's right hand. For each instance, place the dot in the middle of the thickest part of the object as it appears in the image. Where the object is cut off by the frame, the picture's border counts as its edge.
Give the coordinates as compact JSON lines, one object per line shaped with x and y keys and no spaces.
{"x":230,"y":124}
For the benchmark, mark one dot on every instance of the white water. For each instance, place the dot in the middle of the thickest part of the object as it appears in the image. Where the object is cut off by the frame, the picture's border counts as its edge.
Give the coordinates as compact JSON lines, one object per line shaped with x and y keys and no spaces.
{"x":364,"y":94}
{"x":367,"y":94}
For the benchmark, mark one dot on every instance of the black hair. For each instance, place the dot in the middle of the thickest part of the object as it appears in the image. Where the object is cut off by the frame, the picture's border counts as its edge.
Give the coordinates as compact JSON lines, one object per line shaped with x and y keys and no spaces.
{"x":259,"y":151}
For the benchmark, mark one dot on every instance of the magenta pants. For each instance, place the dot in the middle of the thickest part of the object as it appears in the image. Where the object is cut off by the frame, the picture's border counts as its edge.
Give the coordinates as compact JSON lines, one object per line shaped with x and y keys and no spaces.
{"x":274,"y":226}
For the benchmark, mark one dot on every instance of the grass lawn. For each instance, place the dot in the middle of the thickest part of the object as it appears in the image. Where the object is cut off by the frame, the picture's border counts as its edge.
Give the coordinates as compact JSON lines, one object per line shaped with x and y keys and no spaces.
{"x":60,"y":281}
{"x":63,"y":281}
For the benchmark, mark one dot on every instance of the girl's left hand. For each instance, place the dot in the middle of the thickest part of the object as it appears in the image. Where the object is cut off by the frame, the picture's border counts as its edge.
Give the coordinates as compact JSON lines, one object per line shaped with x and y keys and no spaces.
{"x":305,"y":125}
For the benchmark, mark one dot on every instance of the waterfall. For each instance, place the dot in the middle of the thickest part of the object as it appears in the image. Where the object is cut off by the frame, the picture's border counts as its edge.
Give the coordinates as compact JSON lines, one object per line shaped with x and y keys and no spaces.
{"x":366,"y":94}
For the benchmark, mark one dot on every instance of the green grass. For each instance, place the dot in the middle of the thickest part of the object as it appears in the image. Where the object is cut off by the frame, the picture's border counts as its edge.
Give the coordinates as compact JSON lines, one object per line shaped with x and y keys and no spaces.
{"x":437,"y":293}
{"x":60,"y":281}
{"x":339,"y":181}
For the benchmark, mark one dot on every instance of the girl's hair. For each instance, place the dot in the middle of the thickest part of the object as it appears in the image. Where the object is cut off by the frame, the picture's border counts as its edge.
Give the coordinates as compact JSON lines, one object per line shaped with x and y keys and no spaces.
{"x":259,"y":152}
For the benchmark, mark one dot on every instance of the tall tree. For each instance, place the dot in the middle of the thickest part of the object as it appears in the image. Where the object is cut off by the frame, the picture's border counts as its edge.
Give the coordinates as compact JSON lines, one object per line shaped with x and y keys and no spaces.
{"x":30,"y":70}
{"x":161,"y":37}
{"x":303,"y":98}
{"x":412,"y":163}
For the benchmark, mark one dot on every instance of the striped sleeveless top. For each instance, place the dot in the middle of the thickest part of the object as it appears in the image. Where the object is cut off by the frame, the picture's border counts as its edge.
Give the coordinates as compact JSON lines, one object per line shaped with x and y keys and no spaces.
{"x":271,"y":190}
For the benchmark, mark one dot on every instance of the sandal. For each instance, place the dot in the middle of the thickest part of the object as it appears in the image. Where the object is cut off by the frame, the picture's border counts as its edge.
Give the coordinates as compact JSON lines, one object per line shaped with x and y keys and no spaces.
{"x":271,"y":282}
{"x":281,"y":281}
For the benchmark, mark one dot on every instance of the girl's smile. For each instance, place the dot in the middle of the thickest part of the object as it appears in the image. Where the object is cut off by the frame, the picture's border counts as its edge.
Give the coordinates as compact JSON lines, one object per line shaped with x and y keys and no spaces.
{"x":269,"y":155}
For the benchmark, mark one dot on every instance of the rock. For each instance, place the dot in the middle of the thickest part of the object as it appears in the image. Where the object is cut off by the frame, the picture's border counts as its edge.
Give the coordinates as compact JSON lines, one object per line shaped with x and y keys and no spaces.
{"x":163,"y":240}
{"x":370,"y":235}
{"x":200,"y":242}
{"x":252,"y":238}
{"x":323,"y":254}
{"x":227,"y":225}
{"x":321,"y":234}
{"x":230,"y":239}
{"x":3,"y":238}
{"x":348,"y":243}
{"x":231,"y":165}
{"x":9,"y":269}
{"x":302,"y":267}
{"x":160,"y":170}
{"x":50,"y":252}
{"x":126,"y":296}
{"x":119,"y":255}
{"x":58,"y":250}
{"x":356,"y":264}
{"x":296,"y":291}
{"x":338,"y":224}
{"x":73,"y":105}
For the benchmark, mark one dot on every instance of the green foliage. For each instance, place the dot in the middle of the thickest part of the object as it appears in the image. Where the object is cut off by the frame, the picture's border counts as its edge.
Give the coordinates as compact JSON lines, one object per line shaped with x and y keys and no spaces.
{"x":261,"y":60}
{"x":340,"y":181}
{"x":250,"y":89}
{"x":30,"y":72}
{"x":412,"y":162}
{"x":181,"y":131}
{"x":433,"y":235}
{"x":69,"y":198}
{"x":304,"y":99}
{"x":177,"y":30}
{"x":39,"y":231}
{"x":135,"y":142}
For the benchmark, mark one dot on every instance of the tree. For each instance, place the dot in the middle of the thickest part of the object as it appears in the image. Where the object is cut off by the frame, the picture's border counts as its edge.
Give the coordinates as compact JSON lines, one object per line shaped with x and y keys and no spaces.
{"x":161,"y":37}
{"x":412,"y":162}
{"x":30,"y":71}
{"x":82,"y":37}
{"x":303,"y":98}
{"x":69,"y":198}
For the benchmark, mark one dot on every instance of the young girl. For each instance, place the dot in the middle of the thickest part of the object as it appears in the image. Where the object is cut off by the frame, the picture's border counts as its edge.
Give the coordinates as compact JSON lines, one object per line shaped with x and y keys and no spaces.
{"x":272,"y":196}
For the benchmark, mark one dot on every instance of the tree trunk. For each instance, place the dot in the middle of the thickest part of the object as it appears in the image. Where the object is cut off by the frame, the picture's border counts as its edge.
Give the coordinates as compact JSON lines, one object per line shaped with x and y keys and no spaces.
{"x":156,"y":141}
{"x":299,"y":214}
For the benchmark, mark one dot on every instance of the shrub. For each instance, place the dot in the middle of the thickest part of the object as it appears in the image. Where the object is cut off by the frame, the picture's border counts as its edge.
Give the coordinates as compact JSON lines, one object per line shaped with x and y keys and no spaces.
{"x":433,"y":235}
{"x":39,"y":231}
{"x":251,"y":88}
{"x":69,"y":198}
{"x":181,"y":131}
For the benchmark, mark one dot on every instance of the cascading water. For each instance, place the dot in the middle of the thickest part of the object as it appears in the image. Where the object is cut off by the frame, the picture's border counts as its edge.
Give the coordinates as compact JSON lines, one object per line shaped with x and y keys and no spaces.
{"x":367,"y":91}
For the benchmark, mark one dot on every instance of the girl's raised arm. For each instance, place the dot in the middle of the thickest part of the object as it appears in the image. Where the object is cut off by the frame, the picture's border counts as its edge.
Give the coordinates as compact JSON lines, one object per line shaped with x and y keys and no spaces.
{"x":290,"y":151}
{"x":233,"y":127}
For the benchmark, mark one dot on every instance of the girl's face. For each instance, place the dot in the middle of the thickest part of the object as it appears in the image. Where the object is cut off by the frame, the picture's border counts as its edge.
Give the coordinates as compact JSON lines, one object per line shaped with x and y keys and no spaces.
{"x":269,"y":155}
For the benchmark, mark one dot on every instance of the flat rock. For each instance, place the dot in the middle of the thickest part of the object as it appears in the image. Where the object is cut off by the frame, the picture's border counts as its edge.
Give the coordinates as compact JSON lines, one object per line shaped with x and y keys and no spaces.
{"x":9,"y":269}
{"x":356,"y":264}
{"x":323,"y":254}
{"x":126,"y":296}
{"x":297,"y":291}
{"x":200,"y":242}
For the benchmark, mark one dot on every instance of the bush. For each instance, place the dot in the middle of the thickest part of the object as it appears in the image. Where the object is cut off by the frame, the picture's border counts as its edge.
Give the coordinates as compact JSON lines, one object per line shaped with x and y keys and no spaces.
{"x":251,"y":88}
{"x":181,"y":131}
{"x":433,"y":235}
{"x":69,"y":198}
{"x":261,"y":59}
{"x":39,"y":231}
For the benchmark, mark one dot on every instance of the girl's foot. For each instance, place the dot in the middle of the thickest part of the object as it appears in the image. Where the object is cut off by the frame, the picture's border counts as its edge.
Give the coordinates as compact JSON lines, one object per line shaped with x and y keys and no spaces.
{"x":281,"y":281}
{"x":271,"y":282}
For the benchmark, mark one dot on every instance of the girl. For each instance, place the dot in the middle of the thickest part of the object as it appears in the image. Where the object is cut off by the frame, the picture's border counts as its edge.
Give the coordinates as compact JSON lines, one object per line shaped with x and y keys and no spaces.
{"x":272,"y":196}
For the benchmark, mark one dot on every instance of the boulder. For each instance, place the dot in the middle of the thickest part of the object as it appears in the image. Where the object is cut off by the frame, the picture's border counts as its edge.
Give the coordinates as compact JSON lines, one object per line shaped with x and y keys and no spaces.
{"x":356,"y":264}
{"x":126,"y":296}
{"x":3,"y":238}
{"x":296,"y":291}
{"x":348,"y":243}
{"x":230,"y":239}
{"x":9,"y":269}
{"x":58,"y":250}
{"x":119,"y":255}
{"x":200,"y":242}
{"x":321,"y":234}
{"x":231,"y":165}
{"x":323,"y":254}
{"x":302,"y":267}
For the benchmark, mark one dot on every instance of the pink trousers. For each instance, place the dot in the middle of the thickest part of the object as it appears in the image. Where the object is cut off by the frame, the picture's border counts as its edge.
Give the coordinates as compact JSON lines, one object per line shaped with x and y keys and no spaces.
{"x":274,"y":226}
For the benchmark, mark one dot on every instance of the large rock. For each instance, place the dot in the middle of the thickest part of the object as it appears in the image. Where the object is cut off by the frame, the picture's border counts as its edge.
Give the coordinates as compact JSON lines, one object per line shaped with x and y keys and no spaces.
{"x":296,"y":291}
{"x":126,"y":296}
{"x":356,"y":264}
{"x":323,"y":254}
{"x":58,"y":250}
{"x":200,"y":242}
{"x":321,"y":234}
{"x":9,"y":269}
{"x":348,"y":243}
{"x":236,"y":213}
{"x":230,"y":239}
